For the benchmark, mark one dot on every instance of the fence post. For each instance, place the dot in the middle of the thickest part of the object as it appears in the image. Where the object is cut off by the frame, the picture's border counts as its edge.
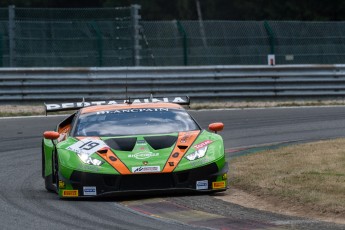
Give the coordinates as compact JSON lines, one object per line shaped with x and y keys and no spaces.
{"x":184,"y":42}
{"x":271,"y":36}
{"x":99,"y":43}
{"x":1,"y":50}
{"x":135,"y":34}
{"x":201,"y":23}
{"x":11,"y":35}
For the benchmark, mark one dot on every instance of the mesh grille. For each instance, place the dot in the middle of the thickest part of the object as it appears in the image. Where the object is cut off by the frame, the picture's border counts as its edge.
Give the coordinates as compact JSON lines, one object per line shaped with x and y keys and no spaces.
{"x":150,"y":181}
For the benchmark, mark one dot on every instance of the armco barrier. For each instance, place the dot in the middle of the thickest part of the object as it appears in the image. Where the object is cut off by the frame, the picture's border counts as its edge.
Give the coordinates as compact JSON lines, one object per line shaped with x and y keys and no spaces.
{"x":30,"y":85}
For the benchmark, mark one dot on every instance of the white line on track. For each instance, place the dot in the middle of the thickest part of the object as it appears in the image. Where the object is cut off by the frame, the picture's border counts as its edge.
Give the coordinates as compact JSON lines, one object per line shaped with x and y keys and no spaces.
{"x":261,"y":108}
{"x":159,"y":218}
{"x":293,"y":222}
{"x":38,"y":116}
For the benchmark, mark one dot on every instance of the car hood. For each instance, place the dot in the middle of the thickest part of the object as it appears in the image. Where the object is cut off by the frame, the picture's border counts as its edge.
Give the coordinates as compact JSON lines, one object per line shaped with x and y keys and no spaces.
{"x":147,"y":153}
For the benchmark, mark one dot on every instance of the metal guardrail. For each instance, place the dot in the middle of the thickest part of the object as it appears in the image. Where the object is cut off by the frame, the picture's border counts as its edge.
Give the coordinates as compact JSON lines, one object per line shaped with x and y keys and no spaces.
{"x":30,"y":85}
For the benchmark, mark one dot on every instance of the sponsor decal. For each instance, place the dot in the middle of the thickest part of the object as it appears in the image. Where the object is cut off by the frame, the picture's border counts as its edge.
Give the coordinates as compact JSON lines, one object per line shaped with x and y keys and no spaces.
{"x":144,"y":169}
{"x":70,"y":193}
{"x":202,"y":144}
{"x":218,"y":184}
{"x":202,"y":184}
{"x":89,"y":191}
{"x":225,"y":176}
{"x":64,"y":106}
{"x":62,"y":184}
{"x":185,"y":138}
{"x":198,"y":162}
{"x":141,"y":142}
{"x":141,"y":156}
{"x":133,"y":110}
{"x":87,"y":146}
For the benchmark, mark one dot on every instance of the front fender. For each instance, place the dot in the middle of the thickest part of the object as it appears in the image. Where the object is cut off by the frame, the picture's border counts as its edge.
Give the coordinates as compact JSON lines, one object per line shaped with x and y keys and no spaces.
{"x":48,"y":149}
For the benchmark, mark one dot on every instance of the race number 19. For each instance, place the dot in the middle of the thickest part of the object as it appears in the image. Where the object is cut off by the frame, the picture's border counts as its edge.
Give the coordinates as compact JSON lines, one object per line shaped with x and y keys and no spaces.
{"x":87,"y":145}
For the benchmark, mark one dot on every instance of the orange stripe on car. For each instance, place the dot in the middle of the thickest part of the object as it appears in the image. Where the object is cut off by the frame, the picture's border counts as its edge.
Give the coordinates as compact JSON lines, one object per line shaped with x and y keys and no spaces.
{"x":184,"y":141}
{"x":109,"y":156}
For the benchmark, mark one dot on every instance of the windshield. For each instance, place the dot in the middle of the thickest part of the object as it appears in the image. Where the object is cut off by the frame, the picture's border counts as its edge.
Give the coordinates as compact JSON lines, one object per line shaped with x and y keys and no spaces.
{"x":134,"y":121}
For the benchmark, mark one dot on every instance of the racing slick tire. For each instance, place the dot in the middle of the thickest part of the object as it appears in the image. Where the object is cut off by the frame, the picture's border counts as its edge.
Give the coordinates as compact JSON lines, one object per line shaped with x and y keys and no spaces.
{"x":48,"y":180}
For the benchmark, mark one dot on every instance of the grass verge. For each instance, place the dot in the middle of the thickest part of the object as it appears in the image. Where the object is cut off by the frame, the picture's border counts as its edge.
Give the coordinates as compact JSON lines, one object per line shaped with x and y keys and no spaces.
{"x":307,"y":177}
{"x":21,"y":110}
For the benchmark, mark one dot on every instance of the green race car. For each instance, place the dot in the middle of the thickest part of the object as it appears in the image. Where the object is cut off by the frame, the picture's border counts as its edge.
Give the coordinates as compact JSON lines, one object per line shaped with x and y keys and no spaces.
{"x":140,"y":146}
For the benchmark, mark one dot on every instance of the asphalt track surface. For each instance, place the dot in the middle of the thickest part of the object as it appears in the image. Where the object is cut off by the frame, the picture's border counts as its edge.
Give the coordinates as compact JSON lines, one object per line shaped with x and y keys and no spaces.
{"x":25,"y":204}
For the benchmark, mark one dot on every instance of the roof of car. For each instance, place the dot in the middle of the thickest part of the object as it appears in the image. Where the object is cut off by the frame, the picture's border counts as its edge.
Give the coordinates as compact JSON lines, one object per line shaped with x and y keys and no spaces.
{"x":99,"y":108}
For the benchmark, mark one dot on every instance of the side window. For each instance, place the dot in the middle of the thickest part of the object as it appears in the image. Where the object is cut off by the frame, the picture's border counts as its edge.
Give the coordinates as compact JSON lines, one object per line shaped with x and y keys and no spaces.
{"x":65,"y":127}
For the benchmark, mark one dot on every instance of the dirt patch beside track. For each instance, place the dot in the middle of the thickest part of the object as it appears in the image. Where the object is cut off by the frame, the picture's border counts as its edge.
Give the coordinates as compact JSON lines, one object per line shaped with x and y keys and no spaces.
{"x":303,"y":180}
{"x":264,"y":203}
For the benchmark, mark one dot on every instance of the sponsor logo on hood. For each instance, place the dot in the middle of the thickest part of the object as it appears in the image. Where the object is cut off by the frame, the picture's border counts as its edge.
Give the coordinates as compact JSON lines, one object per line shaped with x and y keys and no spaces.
{"x":141,"y":156}
{"x":185,"y":137}
{"x":141,"y":142}
{"x":203,"y":144}
{"x":144,"y":169}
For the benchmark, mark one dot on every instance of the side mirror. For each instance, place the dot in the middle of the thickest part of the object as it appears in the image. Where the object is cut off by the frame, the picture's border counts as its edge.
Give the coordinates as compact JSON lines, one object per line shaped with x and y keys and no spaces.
{"x":215,"y":127}
{"x":51,"y":135}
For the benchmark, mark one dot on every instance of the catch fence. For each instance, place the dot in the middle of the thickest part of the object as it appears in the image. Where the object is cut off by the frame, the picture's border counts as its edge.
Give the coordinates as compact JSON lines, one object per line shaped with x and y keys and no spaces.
{"x":110,"y":37}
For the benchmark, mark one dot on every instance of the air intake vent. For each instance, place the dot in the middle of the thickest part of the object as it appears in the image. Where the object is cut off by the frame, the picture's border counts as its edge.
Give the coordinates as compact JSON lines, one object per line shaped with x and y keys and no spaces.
{"x":182,"y":147}
{"x":102,"y":151}
{"x":122,"y":144}
{"x":161,"y":142}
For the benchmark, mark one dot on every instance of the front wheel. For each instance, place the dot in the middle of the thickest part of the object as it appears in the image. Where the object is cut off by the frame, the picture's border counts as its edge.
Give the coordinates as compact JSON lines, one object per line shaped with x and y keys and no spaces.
{"x":48,"y":181}
{"x":43,"y":161}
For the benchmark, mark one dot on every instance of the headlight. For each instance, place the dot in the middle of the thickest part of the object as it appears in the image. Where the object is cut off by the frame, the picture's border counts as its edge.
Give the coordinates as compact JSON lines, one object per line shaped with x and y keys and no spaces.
{"x":197,"y":154}
{"x":84,"y":157}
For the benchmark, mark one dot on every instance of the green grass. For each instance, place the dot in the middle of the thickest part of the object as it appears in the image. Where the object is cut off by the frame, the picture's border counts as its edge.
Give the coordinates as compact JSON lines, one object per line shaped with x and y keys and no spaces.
{"x":311,"y":176}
